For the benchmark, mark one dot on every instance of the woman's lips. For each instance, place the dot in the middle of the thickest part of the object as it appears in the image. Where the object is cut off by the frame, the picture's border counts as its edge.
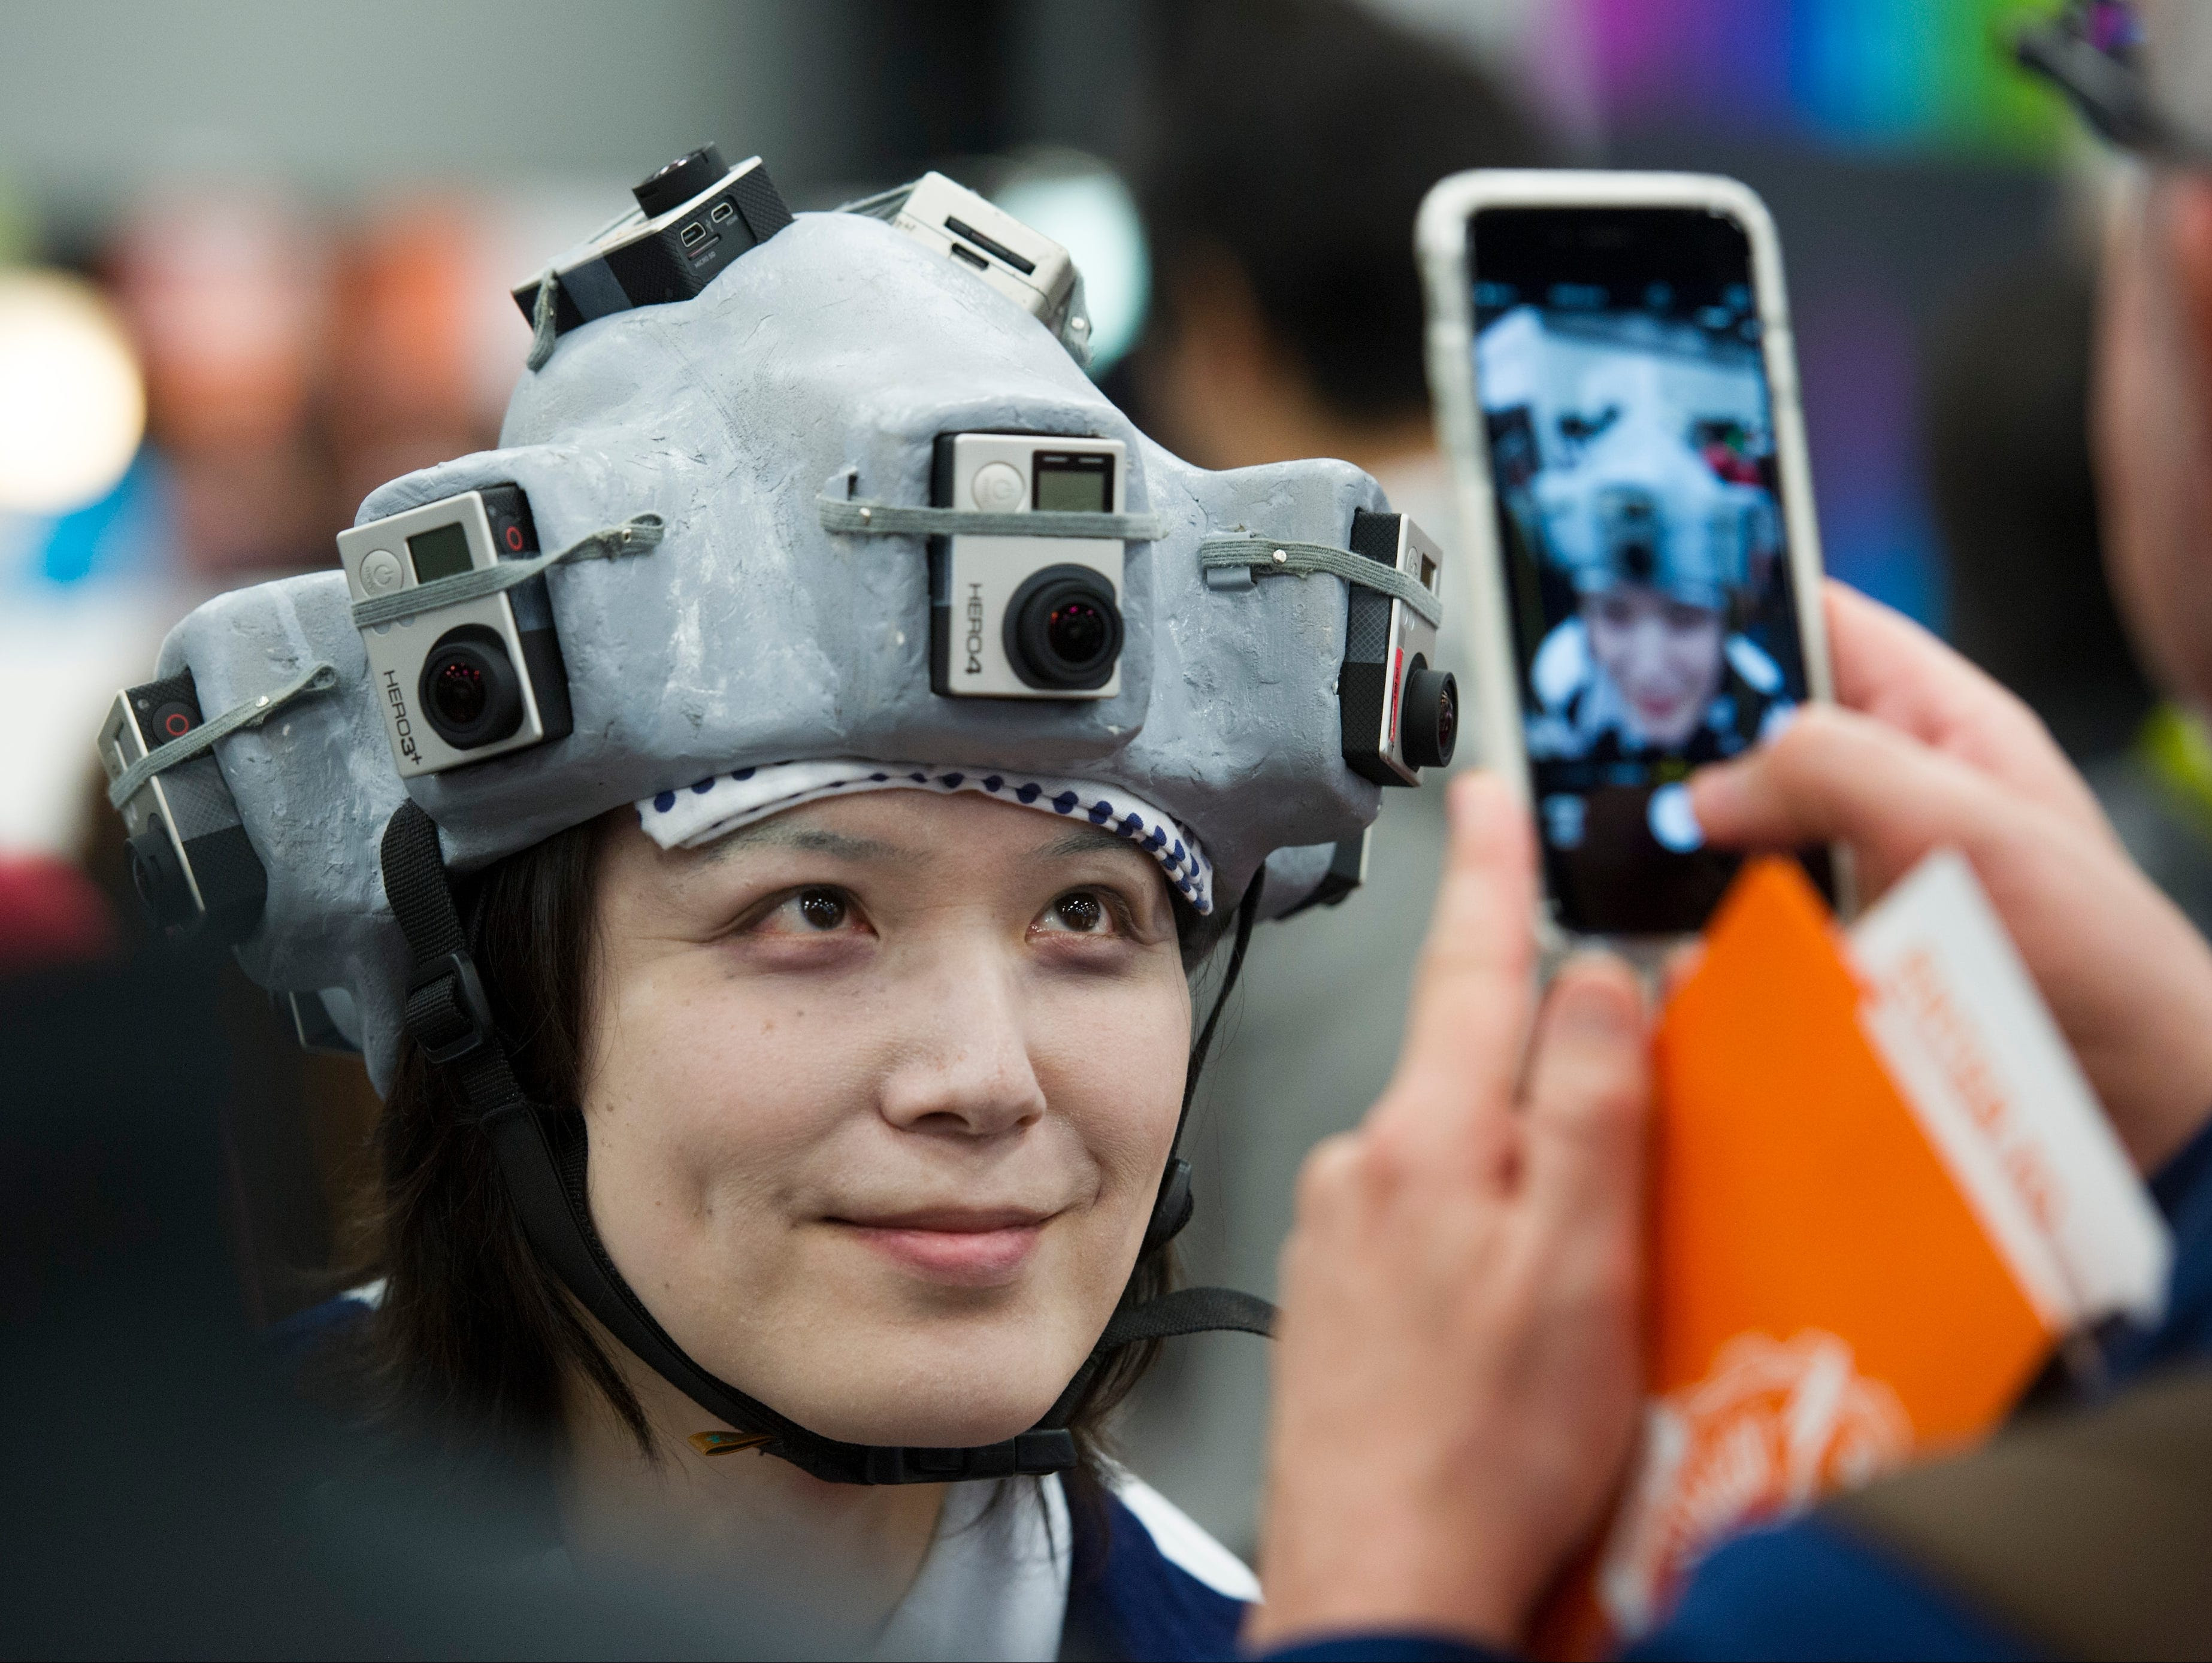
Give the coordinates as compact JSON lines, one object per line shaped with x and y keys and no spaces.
{"x":956,"y":1249}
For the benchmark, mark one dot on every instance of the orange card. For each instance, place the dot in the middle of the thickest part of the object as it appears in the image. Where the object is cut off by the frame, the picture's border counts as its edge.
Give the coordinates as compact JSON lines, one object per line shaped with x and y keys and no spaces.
{"x":1823,"y":1300}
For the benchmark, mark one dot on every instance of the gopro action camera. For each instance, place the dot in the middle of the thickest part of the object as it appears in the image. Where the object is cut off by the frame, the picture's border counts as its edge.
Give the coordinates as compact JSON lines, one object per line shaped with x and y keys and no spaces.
{"x":1026,"y":266}
{"x":190,"y":859}
{"x":693,"y":218}
{"x":1401,"y":715}
{"x":466,"y":683}
{"x":1025,"y":617}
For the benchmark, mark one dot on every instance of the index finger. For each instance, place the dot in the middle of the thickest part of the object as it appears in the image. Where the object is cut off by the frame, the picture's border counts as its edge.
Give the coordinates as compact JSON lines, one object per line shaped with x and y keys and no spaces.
{"x":1474,"y":992}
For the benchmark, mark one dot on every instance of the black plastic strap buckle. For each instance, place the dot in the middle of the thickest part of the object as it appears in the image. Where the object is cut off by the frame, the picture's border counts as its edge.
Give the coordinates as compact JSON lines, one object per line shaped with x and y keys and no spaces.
{"x":447,"y":1014}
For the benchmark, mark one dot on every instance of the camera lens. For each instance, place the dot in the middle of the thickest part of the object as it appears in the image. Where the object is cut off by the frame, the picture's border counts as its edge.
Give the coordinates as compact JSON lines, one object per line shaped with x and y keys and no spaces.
{"x":1430,"y":718}
{"x":1063,"y":630}
{"x":678,"y":182}
{"x":1078,"y":630}
{"x":469,"y":692}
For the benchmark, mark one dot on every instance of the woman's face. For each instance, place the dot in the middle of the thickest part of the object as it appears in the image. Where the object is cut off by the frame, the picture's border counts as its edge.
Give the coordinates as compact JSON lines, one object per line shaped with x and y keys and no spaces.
{"x":879,"y":1092}
{"x":1663,"y":655}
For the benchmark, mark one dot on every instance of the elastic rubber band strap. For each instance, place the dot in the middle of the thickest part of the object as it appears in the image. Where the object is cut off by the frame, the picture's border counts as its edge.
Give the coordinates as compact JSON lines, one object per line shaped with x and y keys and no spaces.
{"x":633,"y":537}
{"x":317,"y":677}
{"x":858,"y":519}
{"x":1263,"y":558}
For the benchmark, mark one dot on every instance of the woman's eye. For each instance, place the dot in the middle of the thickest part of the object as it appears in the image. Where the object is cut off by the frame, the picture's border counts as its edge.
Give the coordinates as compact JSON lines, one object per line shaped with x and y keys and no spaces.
{"x":1081,"y":913}
{"x":811,"y":912}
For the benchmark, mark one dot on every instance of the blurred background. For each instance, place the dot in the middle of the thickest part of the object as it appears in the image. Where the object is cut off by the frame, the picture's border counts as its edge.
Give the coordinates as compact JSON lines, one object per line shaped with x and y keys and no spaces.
{"x":254,"y":260}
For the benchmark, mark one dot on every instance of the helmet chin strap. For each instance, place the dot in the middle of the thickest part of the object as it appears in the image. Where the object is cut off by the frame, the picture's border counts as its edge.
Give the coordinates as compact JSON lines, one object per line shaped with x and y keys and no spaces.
{"x":542,"y":1152}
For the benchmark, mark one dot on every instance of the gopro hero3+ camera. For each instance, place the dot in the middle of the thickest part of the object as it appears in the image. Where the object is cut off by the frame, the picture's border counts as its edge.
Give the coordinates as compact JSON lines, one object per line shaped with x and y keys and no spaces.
{"x":692,"y":218}
{"x":1025,"y":617}
{"x":465,"y":683}
{"x":1400,"y":714}
{"x":190,"y":859}
{"x":1026,"y":266}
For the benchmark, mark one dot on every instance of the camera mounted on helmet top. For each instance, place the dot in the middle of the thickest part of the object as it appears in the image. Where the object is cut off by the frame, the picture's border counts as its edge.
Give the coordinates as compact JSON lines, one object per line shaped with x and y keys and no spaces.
{"x":1023,"y":264}
{"x":693,"y":217}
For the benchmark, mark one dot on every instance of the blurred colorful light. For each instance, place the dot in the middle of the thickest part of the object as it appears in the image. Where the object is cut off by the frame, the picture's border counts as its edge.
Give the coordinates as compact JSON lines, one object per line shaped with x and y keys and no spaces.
{"x":72,"y":403}
{"x":1083,"y":205}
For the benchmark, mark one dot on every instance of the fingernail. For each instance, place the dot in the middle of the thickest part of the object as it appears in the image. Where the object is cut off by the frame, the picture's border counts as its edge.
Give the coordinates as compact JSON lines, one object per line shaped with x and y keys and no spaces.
{"x":1713,"y":793}
{"x":1593,"y":1009}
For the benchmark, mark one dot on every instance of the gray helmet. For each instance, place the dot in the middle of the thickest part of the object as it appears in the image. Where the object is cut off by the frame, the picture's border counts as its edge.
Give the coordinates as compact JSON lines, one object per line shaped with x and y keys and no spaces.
{"x":824,"y":365}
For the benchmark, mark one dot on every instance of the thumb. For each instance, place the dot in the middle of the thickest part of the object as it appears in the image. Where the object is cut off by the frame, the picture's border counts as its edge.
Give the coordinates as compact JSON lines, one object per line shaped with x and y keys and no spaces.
{"x":1836,"y":776}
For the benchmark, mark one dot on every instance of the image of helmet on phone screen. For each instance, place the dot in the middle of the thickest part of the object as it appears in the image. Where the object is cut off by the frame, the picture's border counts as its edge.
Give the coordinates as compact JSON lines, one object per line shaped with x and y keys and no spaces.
{"x":1651,"y":598}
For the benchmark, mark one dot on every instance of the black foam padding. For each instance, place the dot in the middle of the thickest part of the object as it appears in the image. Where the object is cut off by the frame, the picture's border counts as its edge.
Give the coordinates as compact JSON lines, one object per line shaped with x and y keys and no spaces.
{"x":548,"y":673}
{"x":1367,"y":621}
{"x":1362,"y":692}
{"x":233,"y":884}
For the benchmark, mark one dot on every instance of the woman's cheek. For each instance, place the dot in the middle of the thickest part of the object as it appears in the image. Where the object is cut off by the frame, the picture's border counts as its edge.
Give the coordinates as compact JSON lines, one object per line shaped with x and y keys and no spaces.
{"x":1114,"y":1069}
{"x":703,"y":1088}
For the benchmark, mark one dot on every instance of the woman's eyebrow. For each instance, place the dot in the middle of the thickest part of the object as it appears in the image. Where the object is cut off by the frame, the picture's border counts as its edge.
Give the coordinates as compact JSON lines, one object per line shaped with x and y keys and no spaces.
{"x":813,"y":839}
{"x":1081,"y":840}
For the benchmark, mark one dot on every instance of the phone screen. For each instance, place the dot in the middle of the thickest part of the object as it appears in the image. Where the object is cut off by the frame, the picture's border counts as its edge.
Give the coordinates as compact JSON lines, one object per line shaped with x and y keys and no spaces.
{"x":1624,"y":394}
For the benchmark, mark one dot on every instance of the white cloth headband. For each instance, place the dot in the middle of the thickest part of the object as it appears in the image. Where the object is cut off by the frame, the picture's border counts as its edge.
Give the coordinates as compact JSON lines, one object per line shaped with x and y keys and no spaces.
{"x":699,"y":813}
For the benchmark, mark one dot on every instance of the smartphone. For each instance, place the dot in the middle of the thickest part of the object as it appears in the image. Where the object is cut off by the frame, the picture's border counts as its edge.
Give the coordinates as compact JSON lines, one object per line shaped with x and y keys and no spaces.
{"x":1611,"y":360}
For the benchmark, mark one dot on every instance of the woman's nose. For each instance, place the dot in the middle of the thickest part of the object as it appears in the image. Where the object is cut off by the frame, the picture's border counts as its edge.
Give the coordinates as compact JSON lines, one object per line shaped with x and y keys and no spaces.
{"x":963,"y":1067}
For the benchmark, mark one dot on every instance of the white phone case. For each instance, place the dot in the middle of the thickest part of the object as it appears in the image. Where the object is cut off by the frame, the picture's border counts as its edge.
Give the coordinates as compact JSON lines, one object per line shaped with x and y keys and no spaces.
{"x":1441,"y":247}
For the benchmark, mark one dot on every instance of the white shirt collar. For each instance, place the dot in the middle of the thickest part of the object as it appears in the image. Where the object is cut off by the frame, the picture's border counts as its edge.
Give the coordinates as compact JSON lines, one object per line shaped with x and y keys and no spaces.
{"x":993,"y":1585}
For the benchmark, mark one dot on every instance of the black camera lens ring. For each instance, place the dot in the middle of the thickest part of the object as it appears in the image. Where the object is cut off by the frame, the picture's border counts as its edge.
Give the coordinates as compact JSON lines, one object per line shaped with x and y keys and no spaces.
{"x":470,"y":689}
{"x":1063,"y":629}
{"x":1429,"y":716}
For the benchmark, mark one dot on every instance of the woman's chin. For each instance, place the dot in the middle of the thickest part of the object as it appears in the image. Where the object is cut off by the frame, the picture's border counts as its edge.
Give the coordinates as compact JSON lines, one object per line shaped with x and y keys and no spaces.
{"x":1670,"y":731}
{"x":939,"y":1382}
{"x":963,"y":1414}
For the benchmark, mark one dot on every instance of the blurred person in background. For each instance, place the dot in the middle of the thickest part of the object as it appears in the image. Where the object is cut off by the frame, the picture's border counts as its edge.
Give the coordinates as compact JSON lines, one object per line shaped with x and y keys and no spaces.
{"x":225,"y":290}
{"x":1461,"y":1291}
{"x":1288,"y":146}
{"x":2008,"y":420}
{"x":423,"y":341}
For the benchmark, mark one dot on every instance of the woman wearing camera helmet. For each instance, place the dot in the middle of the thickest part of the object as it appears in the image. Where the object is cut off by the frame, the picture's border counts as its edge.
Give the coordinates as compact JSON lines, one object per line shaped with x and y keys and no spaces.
{"x":779,"y":1159}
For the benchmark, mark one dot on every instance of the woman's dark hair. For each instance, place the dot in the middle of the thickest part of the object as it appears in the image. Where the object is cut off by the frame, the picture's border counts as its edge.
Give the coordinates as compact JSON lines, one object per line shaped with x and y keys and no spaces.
{"x":1297,"y":137}
{"x":469,"y":1345}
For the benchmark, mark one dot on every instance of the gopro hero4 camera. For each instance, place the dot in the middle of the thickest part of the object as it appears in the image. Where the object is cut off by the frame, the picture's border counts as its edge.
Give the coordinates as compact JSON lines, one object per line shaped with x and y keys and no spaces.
{"x":1026,"y":617}
{"x":1026,"y":266}
{"x":190,"y":859}
{"x":469,"y":681}
{"x":692,"y":218}
{"x":1401,"y":713}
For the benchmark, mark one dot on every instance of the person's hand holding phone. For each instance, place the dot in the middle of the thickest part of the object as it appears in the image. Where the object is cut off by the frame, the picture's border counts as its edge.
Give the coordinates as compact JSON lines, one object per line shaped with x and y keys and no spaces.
{"x":1458,"y":1370}
{"x":1924,"y":751}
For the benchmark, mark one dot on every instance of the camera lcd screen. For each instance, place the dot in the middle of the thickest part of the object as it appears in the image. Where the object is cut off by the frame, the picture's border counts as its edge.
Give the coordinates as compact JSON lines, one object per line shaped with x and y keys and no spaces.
{"x":1623,"y":387}
{"x":442,"y":552}
{"x":1071,"y":483}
